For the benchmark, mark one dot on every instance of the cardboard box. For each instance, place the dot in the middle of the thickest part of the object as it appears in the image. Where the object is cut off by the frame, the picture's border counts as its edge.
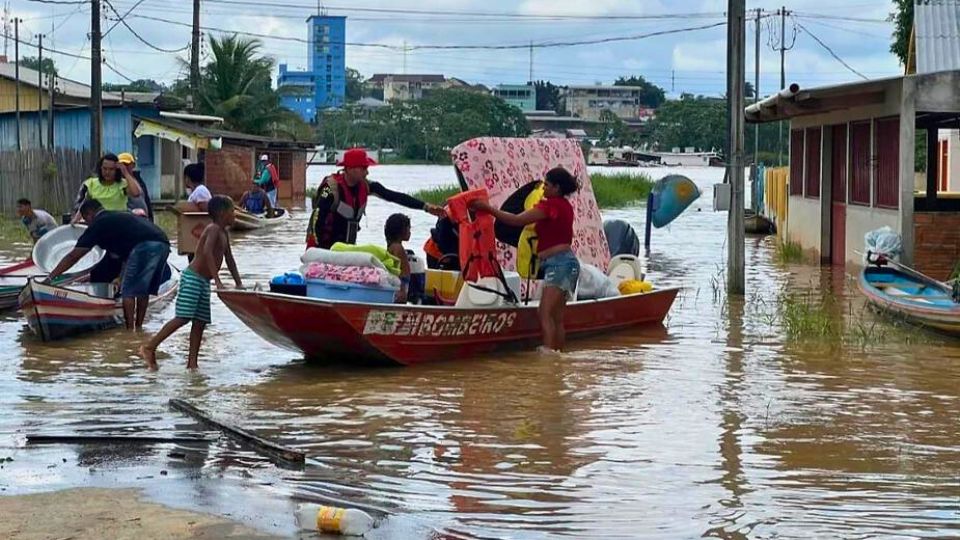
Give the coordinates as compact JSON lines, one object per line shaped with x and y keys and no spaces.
{"x":190,"y":226}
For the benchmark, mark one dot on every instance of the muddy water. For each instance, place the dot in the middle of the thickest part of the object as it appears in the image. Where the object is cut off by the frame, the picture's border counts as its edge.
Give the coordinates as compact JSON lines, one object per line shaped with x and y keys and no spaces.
{"x":719,"y":424}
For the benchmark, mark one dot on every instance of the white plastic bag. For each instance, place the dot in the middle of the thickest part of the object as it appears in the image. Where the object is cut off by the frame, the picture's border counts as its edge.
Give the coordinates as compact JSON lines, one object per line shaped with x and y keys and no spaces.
{"x":883,"y":241}
{"x":594,"y":283}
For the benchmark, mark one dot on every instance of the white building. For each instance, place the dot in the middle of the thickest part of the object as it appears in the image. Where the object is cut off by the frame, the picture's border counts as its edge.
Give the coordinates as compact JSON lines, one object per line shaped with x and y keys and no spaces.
{"x":589,"y":102}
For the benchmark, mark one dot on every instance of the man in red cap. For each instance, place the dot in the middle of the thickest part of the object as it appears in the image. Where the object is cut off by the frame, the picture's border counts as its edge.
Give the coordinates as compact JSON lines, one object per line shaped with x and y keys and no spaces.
{"x":342,"y":198}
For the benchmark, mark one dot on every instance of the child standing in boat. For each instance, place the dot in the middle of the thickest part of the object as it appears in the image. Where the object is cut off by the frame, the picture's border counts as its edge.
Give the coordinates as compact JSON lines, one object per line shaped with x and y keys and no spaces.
{"x":553,"y":216}
{"x":397,"y":231}
{"x":193,"y":298}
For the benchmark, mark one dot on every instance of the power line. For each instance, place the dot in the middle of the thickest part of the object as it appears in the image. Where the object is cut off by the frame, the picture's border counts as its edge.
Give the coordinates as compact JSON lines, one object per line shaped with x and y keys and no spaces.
{"x":138,"y":36}
{"x":829,"y":50}
{"x":61,"y":2}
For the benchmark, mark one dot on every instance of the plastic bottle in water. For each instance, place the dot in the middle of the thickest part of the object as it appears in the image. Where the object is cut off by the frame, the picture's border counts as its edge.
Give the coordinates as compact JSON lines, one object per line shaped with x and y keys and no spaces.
{"x":330,"y":519}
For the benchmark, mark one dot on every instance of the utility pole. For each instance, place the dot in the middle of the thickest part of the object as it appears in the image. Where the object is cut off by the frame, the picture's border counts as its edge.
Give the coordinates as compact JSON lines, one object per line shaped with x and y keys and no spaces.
{"x":40,"y":91}
{"x":756,"y":99}
{"x":404,"y":57}
{"x":530,"y":78}
{"x":195,"y":57}
{"x":52,"y":88}
{"x":736,"y":30}
{"x":96,"y":82}
{"x":16,"y":71}
{"x":783,"y":77}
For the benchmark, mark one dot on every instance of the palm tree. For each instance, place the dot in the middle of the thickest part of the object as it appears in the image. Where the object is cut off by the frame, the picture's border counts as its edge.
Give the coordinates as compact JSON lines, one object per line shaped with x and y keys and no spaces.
{"x":235,"y":85}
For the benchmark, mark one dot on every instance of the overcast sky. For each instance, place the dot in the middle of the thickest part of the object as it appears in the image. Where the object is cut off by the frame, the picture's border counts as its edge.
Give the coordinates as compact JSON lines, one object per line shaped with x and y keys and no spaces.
{"x":690,"y":61}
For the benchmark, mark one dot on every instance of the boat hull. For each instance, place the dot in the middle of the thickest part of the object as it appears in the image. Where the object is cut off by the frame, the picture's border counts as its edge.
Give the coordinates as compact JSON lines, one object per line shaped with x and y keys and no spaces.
{"x":58,"y":312}
{"x":408,"y":334}
{"x":889,"y":289}
{"x":246,"y":221}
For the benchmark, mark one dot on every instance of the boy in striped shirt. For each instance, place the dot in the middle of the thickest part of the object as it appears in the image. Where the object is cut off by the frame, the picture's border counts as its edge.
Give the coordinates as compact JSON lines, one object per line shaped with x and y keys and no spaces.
{"x":193,"y":297}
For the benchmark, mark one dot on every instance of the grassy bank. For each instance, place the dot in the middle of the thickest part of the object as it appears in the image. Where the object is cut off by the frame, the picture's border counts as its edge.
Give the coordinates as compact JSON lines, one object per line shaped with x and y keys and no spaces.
{"x":611,"y":190}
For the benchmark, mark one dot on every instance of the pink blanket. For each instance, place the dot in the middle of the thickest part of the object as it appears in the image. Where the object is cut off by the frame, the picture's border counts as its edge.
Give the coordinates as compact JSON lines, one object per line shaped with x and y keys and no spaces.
{"x":349,"y":274}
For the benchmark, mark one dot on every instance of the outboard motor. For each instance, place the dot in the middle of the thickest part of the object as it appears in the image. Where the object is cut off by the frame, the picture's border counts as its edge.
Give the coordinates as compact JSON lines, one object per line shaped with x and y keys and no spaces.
{"x":621,"y":237}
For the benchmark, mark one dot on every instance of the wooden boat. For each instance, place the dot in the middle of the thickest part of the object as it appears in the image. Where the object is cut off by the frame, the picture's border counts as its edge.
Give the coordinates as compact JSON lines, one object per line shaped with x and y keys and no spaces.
{"x":13,"y":279}
{"x":250,"y":222}
{"x":915,"y":297}
{"x":409,"y":334}
{"x":58,"y":311}
{"x":754,"y":223}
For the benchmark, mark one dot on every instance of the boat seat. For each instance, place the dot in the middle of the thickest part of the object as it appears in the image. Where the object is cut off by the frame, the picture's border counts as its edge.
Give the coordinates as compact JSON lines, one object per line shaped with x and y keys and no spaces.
{"x":473,"y":297}
{"x":624,"y":267}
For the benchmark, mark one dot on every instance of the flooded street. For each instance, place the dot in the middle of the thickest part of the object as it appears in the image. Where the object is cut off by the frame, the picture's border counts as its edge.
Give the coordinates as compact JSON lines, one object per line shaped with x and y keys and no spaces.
{"x":727,"y":422}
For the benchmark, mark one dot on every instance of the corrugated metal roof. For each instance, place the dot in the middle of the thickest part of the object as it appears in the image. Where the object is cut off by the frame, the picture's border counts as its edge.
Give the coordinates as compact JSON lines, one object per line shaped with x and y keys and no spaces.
{"x":937,"y":24}
{"x":66,"y":87}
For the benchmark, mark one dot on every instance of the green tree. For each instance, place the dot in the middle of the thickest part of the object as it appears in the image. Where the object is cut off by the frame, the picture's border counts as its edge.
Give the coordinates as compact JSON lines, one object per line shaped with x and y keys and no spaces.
{"x":354,"y":85}
{"x":236,"y":85}
{"x":902,"y":19}
{"x":690,"y":121}
{"x":32,"y":62}
{"x":748,"y":90}
{"x":548,"y":97}
{"x":614,"y":131}
{"x":139,"y":85}
{"x":651,"y":95}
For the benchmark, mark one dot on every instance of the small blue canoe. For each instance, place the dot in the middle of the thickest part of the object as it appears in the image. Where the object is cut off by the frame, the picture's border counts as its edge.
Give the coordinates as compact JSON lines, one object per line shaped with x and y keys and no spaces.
{"x":918,"y":298}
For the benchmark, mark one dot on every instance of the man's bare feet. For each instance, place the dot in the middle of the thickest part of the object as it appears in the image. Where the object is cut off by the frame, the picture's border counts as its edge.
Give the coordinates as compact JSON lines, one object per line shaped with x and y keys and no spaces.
{"x":149,"y":356}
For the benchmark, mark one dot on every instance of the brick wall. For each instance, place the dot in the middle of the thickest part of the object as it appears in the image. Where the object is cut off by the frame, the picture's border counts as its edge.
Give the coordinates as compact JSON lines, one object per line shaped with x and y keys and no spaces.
{"x":936,"y":243}
{"x":229,"y":171}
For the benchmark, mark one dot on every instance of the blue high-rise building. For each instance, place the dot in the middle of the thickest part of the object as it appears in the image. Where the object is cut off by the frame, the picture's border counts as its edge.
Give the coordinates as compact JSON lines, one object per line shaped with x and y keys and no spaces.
{"x":324,"y":84}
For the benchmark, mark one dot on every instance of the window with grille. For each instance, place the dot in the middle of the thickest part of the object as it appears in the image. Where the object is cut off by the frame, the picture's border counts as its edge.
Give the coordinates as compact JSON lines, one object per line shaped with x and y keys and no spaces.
{"x":812,"y":169}
{"x":860,"y":163}
{"x":887,"y":178}
{"x":796,"y":162}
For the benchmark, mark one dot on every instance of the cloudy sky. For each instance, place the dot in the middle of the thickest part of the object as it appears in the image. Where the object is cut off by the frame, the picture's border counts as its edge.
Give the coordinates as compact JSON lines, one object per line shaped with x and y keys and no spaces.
{"x":680,"y":60}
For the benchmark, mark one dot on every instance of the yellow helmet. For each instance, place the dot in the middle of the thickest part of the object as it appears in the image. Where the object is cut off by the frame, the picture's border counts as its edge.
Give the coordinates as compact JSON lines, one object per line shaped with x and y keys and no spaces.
{"x":126,"y":158}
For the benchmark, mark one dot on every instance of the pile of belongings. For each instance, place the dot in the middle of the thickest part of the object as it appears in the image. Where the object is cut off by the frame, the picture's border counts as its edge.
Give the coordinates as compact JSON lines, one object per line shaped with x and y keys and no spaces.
{"x":362,"y":265}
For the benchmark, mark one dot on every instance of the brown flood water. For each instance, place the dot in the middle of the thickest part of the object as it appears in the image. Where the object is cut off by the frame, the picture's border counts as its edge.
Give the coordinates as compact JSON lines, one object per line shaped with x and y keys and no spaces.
{"x":719,"y":424}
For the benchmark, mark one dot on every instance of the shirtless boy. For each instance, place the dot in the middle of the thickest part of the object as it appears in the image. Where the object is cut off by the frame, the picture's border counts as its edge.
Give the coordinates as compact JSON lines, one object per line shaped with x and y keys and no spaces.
{"x":193,"y":298}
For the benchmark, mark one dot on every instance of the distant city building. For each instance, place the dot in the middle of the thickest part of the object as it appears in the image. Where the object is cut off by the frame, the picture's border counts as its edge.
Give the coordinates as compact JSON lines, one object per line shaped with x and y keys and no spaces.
{"x":412,"y":87}
{"x":521,"y":96}
{"x":324,"y":84}
{"x":589,"y":102}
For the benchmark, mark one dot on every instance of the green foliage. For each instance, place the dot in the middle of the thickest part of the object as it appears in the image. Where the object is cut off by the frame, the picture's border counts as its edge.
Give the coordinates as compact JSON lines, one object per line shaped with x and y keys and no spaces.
{"x":13,"y":232}
{"x":426,"y":129}
{"x":548,"y":97}
{"x":32,"y":62}
{"x":902,"y":19}
{"x":614,"y":131}
{"x":789,"y":252}
{"x":651,"y":95}
{"x":139,"y":85}
{"x":807,"y":318}
{"x":610,"y":190}
{"x":354,"y":85}
{"x":690,"y":121}
{"x":236,"y":85}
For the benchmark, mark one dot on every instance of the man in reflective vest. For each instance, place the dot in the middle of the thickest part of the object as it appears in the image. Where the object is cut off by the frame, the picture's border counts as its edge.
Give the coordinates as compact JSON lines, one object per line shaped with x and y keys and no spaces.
{"x":342,"y":199}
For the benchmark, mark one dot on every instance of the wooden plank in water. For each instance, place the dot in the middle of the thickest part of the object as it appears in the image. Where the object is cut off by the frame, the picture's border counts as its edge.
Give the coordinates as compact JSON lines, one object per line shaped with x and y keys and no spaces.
{"x":265,"y":447}
{"x":112,"y":439}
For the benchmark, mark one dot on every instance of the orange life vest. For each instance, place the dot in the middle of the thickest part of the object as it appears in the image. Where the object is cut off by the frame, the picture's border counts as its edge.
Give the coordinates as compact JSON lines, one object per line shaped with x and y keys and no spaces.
{"x":478,"y":244}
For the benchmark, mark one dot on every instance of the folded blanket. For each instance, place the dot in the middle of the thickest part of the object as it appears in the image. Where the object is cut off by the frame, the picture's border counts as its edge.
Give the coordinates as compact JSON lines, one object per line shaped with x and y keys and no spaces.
{"x":340,"y":258}
{"x":362,"y":275}
{"x":391,"y":263}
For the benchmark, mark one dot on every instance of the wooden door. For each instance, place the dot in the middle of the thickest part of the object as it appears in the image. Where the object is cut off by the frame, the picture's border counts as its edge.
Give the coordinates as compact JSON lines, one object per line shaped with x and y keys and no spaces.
{"x":944,"y":164}
{"x":838,"y":202}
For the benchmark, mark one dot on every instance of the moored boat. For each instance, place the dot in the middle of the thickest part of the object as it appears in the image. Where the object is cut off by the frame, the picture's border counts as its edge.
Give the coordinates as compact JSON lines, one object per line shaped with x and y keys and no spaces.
{"x":58,"y":311}
{"x":249,"y":222}
{"x":409,"y":334}
{"x":754,"y":223}
{"x":915,"y":297}
{"x":13,"y":279}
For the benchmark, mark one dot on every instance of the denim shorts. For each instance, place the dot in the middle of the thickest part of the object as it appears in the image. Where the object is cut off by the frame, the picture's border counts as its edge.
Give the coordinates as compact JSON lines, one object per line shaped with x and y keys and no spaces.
{"x":561,"y":271}
{"x":145,"y":269}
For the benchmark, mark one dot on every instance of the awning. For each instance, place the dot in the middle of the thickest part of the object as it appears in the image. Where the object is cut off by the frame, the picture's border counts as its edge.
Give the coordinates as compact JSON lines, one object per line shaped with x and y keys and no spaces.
{"x":190,"y":140}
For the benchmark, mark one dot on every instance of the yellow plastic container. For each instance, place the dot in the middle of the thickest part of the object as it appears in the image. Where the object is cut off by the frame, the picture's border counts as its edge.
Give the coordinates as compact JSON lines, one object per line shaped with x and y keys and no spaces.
{"x":634,"y":286}
{"x":444,"y":284}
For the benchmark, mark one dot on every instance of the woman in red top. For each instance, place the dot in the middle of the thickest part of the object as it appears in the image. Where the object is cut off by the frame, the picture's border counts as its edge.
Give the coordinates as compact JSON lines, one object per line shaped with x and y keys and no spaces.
{"x":553,"y":216}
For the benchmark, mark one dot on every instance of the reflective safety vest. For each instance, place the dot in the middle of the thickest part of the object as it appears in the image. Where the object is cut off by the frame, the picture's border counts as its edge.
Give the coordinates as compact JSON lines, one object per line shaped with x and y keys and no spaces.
{"x":113,"y":197}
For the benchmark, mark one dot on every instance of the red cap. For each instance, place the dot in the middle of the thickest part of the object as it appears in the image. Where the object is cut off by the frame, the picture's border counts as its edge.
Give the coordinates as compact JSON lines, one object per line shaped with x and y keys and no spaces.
{"x":356,"y":157}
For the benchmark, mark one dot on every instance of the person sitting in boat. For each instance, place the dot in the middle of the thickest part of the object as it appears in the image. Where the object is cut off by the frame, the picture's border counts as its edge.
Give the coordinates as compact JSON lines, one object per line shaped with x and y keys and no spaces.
{"x":256,"y":201}
{"x":443,"y":246}
{"x":109,"y":187}
{"x":37,"y":222}
{"x":342,"y":199}
{"x":195,"y":182}
{"x":397,"y":231}
{"x":553,"y":216}
{"x":140,"y":245}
